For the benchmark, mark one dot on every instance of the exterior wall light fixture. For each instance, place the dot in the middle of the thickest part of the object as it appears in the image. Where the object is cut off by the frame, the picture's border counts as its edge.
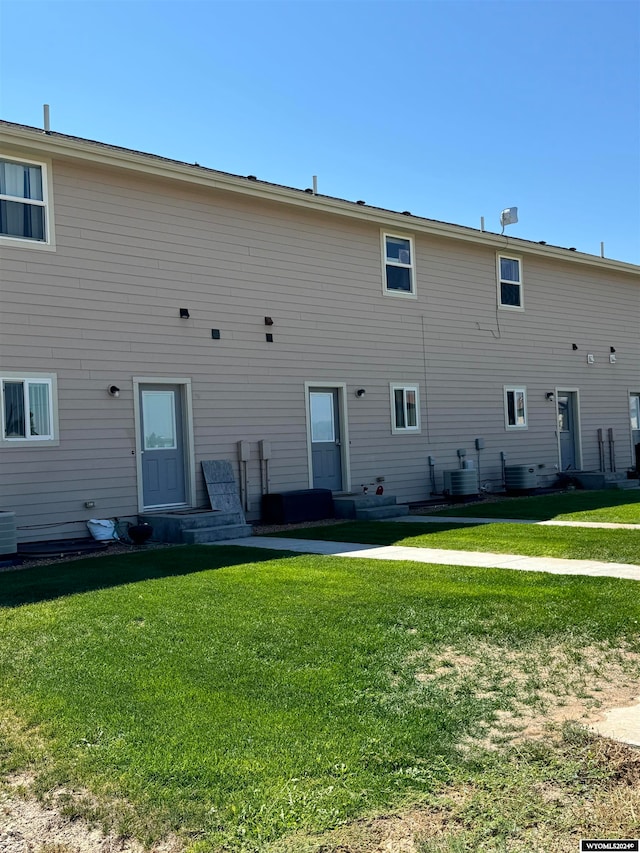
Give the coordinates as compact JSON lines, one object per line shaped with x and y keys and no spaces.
{"x":184,"y":313}
{"x":550,"y":396}
{"x":113,"y":391}
{"x":360,"y":393}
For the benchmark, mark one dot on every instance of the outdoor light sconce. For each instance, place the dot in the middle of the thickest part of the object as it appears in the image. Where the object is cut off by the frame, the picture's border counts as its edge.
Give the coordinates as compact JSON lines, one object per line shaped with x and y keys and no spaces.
{"x":550,"y":396}
{"x":184,"y":313}
{"x":113,"y":391}
{"x":268,"y":321}
{"x":360,"y":393}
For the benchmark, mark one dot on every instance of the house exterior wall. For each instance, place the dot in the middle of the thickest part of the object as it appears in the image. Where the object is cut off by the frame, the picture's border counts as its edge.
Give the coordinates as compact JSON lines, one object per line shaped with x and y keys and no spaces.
{"x":132,"y":249}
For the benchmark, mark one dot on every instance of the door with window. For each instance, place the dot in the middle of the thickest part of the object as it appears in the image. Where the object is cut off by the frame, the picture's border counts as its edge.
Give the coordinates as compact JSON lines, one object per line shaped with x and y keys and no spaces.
{"x":325,"y":426}
{"x":162,"y":446}
{"x":568,"y":437}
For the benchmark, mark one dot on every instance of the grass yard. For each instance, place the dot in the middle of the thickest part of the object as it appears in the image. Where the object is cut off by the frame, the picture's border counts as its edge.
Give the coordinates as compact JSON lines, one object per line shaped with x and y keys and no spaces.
{"x":254,"y":701}
{"x":578,"y":543}
{"x":622,"y":507}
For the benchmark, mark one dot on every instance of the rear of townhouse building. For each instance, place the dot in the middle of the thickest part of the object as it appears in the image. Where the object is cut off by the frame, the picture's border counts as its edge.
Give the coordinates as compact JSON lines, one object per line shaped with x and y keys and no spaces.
{"x":154,"y":314}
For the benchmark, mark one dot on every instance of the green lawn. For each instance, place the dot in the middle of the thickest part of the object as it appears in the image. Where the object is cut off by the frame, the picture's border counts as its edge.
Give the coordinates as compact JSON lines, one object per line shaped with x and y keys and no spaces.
{"x":237,"y":696}
{"x":622,"y":507}
{"x":578,"y":543}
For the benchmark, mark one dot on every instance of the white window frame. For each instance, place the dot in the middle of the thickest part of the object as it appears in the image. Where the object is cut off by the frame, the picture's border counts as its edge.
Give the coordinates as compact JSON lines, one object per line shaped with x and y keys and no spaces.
{"x":636,"y":396}
{"x":515,"y":389}
{"x":394,"y":235}
{"x":47,"y":202}
{"x":49,"y":379}
{"x":502,"y":281}
{"x":404,"y":386}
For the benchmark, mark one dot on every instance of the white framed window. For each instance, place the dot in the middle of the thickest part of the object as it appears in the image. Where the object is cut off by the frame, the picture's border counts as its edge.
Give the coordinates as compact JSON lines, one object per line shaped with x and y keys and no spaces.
{"x":634,"y":410}
{"x":398,"y":265}
{"x":25,"y":203}
{"x":510,"y":292}
{"x":515,"y":407}
{"x":29,"y":408}
{"x":405,"y":408}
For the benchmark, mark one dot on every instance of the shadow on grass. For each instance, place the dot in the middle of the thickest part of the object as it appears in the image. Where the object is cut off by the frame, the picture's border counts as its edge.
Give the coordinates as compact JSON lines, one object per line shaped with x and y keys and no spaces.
{"x":544,"y":507}
{"x":371,"y":533}
{"x":44,"y":583}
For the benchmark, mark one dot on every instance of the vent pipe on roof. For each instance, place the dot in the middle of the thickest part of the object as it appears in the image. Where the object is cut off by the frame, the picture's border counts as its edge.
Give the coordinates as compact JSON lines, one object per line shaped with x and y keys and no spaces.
{"x":482,"y":223}
{"x":602,"y":250}
{"x":47,"y":125}
{"x":315,"y":185}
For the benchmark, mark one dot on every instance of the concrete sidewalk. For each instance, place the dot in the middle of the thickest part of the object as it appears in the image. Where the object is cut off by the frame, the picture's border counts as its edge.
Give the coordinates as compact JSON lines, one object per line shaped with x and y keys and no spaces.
{"x":483,"y":559}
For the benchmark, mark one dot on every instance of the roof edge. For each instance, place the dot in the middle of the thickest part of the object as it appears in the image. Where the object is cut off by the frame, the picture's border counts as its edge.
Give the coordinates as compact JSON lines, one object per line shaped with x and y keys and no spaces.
{"x":35,"y":139}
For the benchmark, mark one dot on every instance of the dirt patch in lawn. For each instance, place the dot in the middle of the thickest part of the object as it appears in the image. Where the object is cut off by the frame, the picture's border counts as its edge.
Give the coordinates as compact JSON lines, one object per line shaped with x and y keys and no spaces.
{"x":29,"y":825}
{"x":536,"y":688}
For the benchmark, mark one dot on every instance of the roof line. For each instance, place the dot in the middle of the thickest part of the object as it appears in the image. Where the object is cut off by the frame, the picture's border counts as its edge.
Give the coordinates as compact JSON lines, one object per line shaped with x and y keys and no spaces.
{"x":79,"y":147}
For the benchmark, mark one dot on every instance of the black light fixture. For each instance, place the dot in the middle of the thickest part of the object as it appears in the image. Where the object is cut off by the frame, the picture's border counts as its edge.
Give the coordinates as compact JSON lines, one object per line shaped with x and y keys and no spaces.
{"x":574,"y":346}
{"x":612,"y":349}
{"x":268,"y":321}
{"x":184,"y":313}
{"x":113,"y":391}
{"x":360,"y":393}
{"x":550,"y":396}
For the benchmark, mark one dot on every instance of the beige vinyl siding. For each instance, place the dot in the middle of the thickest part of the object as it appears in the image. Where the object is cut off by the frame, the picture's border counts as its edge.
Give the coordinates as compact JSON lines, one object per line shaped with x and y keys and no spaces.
{"x":132,"y":250}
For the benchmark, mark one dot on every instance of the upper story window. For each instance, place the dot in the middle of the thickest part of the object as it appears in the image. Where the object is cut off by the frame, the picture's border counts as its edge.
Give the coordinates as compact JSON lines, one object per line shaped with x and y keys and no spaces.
{"x":24,"y":203}
{"x":405,"y":408}
{"x":510,"y":283}
{"x":399,"y":269}
{"x":515,"y":408}
{"x":28,"y":408}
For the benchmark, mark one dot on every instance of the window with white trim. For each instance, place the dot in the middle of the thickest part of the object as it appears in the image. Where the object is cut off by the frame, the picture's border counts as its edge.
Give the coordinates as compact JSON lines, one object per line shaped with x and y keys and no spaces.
{"x":510,"y":293}
{"x":24,"y":204}
{"x":399,"y":271}
{"x":28,"y":408}
{"x":405,"y":408}
{"x":515,"y":408}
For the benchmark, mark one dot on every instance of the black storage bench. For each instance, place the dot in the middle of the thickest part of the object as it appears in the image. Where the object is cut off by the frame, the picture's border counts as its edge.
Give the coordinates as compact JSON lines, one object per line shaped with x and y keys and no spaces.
{"x":298,"y":505}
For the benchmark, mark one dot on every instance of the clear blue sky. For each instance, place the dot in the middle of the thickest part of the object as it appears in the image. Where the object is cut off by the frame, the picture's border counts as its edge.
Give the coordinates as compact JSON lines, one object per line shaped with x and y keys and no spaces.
{"x":452,"y":110}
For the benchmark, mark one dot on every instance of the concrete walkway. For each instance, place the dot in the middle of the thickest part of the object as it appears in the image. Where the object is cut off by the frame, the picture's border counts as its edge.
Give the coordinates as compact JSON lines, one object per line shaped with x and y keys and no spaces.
{"x":461,"y":519}
{"x":553,"y":565}
{"x":621,"y":724}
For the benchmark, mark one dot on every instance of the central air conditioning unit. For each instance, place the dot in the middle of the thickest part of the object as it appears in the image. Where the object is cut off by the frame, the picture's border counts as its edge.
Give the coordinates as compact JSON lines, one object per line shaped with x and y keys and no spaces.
{"x":520,"y":478}
{"x":461,"y":482}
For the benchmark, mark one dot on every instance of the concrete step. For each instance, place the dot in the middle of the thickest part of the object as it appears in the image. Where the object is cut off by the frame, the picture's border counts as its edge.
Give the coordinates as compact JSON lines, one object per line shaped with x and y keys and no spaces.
{"x":169,"y":526}
{"x":378,"y":513}
{"x":204,"y":535}
{"x":346,"y":507}
{"x":605,"y":480}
